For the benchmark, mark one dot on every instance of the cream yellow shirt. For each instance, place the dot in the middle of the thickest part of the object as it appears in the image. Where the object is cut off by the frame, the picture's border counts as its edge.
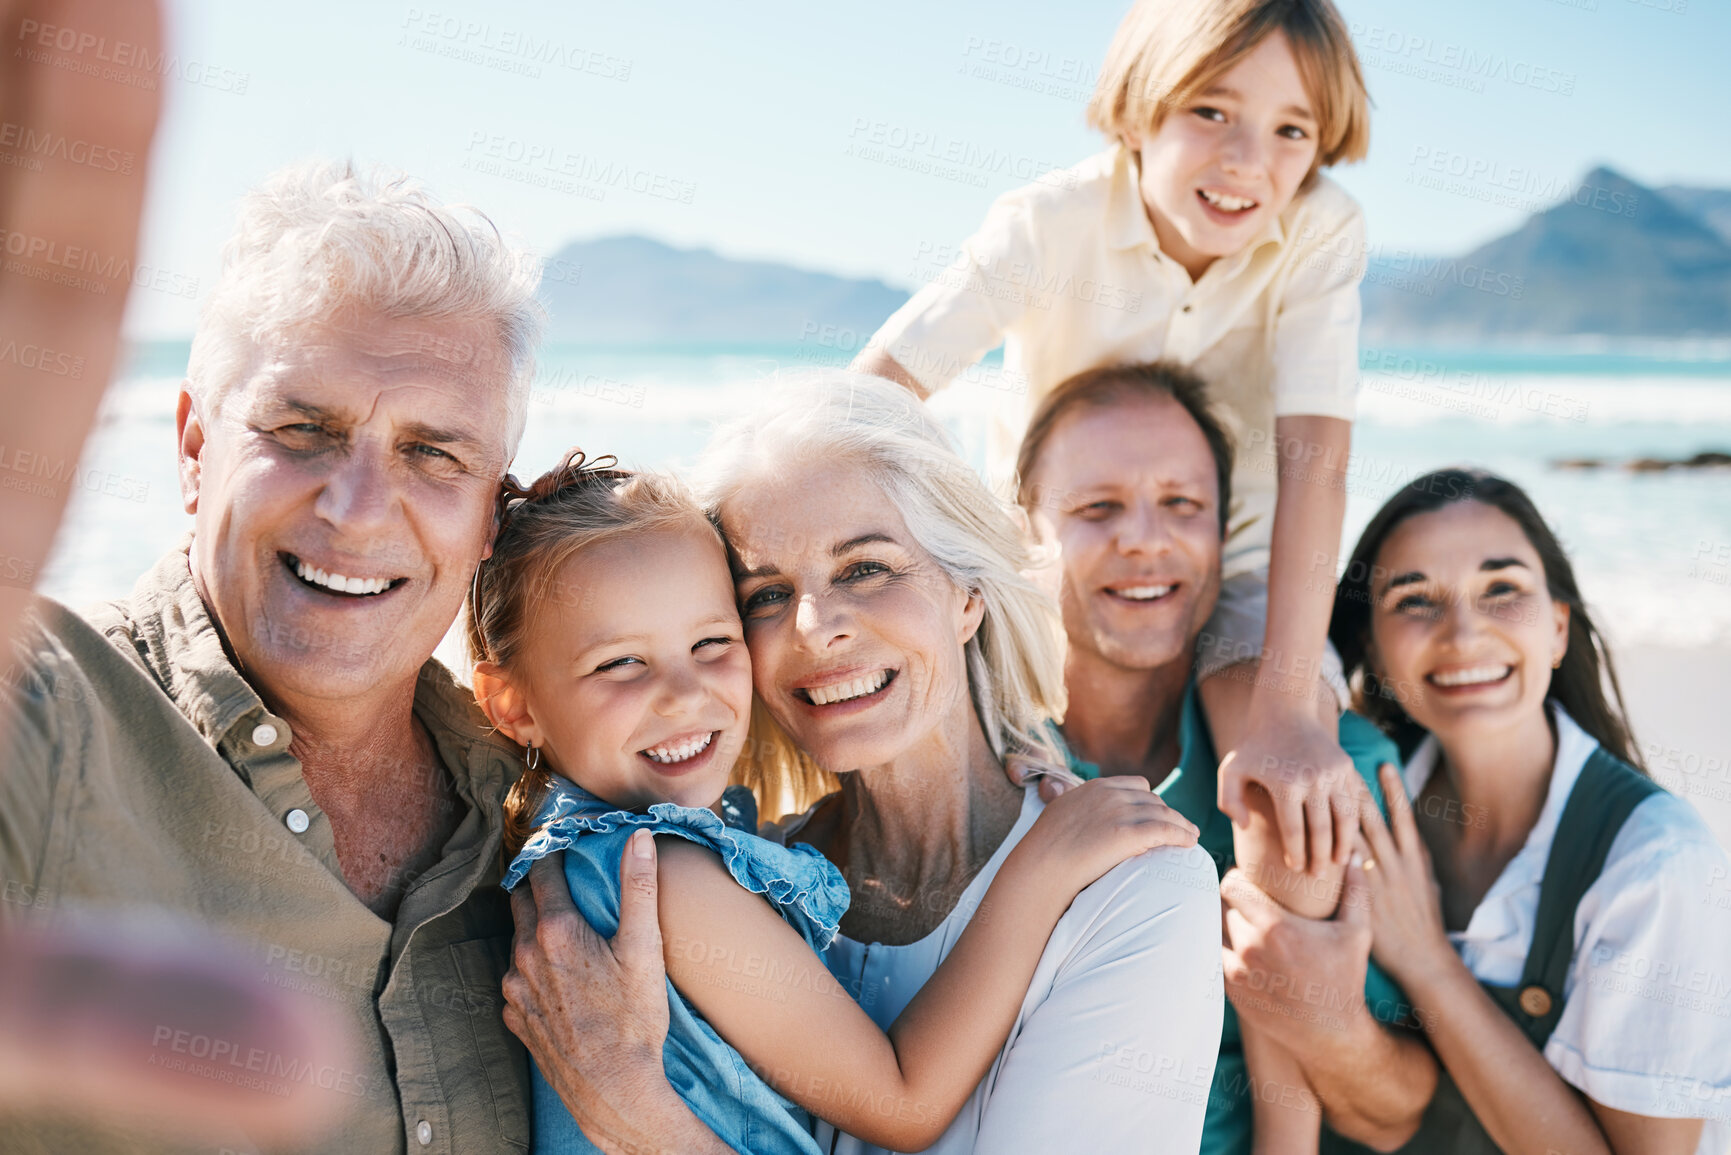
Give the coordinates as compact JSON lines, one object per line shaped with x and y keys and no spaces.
{"x":1068,"y":275}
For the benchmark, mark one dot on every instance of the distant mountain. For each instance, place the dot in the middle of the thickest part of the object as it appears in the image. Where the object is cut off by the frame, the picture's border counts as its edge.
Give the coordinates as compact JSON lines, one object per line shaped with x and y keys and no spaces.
{"x":1712,"y":205}
{"x":632,"y":289}
{"x":1614,"y":258}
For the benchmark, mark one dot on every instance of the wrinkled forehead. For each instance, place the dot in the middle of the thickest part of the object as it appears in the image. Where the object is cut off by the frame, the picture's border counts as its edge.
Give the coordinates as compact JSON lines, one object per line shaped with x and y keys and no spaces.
{"x":778,"y":516}
{"x":451,"y":374}
{"x":458,"y":350}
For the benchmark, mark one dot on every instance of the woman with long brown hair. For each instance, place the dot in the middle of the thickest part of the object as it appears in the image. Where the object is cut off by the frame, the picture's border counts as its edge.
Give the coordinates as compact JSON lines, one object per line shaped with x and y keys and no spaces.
{"x":1539,"y":899}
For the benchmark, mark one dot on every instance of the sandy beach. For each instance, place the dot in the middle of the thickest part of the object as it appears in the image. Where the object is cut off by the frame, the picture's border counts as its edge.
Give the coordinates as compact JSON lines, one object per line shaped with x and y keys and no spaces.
{"x":1682,"y":722}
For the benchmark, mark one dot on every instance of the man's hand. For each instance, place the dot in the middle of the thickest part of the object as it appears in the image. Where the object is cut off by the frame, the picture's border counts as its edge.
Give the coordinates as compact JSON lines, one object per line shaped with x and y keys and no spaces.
{"x":65,"y":330}
{"x":593,"y":1013}
{"x":1315,"y":787}
{"x":99,"y":1015}
{"x":1300,"y":980}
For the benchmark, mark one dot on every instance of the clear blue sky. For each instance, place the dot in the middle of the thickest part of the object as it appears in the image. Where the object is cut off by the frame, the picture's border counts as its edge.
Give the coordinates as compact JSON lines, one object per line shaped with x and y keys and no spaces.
{"x":734,"y":120}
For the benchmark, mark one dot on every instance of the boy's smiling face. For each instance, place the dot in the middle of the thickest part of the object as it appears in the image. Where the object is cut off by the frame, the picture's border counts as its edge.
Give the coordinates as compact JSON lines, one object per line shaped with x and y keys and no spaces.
{"x":1230,"y":159}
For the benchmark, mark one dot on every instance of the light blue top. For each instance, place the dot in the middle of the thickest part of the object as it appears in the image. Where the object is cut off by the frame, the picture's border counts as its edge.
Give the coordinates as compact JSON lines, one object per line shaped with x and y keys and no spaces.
{"x":712,"y":1077}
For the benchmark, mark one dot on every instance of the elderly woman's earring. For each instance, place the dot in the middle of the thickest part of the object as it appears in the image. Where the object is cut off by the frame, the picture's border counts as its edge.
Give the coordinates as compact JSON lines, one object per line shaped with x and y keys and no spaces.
{"x":1557,"y":662}
{"x":531,"y":756}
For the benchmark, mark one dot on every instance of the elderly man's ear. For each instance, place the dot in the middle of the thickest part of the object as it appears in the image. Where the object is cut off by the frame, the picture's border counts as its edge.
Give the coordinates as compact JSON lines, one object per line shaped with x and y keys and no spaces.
{"x":504,"y":704}
{"x":189,"y":428}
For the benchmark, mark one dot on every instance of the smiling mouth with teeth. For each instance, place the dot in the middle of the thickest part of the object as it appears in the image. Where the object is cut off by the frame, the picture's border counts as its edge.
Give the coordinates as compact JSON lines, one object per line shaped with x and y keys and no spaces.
{"x":1471,"y":676}
{"x":1225,"y":202}
{"x":336,"y":583}
{"x":673,"y":753}
{"x":847,"y":691}
{"x":1144,"y":593}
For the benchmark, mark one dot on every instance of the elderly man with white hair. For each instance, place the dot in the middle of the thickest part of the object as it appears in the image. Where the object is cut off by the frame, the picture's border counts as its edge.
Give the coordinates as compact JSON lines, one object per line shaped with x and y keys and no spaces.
{"x":258,"y":738}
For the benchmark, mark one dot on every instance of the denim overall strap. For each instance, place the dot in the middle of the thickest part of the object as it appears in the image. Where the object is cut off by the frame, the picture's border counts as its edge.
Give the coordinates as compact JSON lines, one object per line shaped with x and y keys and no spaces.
{"x":1604,"y":796}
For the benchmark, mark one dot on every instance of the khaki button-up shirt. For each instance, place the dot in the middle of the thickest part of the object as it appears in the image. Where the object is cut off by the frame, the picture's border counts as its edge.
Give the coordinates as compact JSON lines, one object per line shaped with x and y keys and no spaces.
{"x":142,"y":770}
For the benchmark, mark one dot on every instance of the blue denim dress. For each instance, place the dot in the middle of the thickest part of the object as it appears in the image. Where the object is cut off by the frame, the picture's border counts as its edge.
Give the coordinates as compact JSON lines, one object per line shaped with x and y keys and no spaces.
{"x":713,"y":1079}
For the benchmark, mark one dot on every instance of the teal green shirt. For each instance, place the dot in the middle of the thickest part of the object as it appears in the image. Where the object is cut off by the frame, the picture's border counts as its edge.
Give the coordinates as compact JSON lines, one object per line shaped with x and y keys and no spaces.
{"x":1191,"y":789}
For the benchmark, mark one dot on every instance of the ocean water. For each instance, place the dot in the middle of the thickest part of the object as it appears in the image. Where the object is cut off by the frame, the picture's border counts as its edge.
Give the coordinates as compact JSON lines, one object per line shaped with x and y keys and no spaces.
{"x":1652,"y":550}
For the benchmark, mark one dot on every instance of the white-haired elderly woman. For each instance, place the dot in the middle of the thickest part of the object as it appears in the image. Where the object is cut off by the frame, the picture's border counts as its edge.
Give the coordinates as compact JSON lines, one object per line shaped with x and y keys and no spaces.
{"x":905,"y":670}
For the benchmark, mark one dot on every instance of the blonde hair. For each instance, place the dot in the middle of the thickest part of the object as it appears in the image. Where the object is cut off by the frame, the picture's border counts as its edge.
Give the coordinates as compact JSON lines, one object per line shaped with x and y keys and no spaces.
{"x":1015,"y":658}
{"x":566,"y":511}
{"x":316,"y":239}
{"x":1166,"y":51}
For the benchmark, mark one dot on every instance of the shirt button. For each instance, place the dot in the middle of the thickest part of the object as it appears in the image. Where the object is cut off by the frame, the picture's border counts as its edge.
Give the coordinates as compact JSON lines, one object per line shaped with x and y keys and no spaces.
{"x":263,"y":734}
{"x":1186,"y":309}
{"x":297,"y":821}
{"x":423,"y":1130}
{"x":1536,"y":1001}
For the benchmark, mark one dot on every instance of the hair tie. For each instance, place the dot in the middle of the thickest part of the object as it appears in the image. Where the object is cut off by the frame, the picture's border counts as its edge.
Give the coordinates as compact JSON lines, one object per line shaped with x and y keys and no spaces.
{"x":575,"y":472}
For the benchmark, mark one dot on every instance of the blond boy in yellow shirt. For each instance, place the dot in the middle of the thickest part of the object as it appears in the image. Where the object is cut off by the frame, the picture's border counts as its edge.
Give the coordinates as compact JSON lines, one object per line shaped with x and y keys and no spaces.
{"x":1207,"y":235}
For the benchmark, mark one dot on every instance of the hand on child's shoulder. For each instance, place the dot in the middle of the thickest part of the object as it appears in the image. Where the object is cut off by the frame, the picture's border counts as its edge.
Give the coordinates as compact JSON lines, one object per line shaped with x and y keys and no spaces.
{"x":1093,"y":827}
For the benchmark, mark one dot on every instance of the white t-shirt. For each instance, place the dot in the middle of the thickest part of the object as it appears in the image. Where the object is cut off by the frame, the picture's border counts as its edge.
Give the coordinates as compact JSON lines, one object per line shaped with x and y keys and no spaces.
{"x":1068,"y":274}
{"x":1646,"y":1026}
{"x":1115,"y":1043}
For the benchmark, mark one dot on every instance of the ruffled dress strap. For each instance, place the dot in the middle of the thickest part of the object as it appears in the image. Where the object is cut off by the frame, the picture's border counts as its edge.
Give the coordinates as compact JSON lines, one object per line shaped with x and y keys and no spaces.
{"x":804,"y":887}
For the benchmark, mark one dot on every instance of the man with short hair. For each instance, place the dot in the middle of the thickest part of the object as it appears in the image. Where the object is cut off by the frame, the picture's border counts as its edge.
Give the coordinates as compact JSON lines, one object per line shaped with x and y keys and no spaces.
{"x":1128,"y":471}
{"x":258,"y":738}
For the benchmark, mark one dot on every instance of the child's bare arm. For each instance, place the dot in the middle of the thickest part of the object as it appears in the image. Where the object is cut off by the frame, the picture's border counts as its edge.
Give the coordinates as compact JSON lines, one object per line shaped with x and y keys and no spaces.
{"x":756,"y":982}
{"x":1310,"y":505}
{"x":1285,"y":1109}
{"x":878,"y":363}
{"x":1287,"y":1115}
{"x":1286,"y":746}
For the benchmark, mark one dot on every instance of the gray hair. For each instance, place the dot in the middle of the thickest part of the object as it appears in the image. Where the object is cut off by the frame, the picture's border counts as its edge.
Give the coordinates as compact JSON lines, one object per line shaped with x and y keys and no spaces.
{"x":316,"y":238}
{"x":1015,"y":658}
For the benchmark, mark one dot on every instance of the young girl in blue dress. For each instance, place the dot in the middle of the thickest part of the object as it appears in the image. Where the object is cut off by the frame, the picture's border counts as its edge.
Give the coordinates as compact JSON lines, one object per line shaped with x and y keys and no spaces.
{"x":608,"y":644}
